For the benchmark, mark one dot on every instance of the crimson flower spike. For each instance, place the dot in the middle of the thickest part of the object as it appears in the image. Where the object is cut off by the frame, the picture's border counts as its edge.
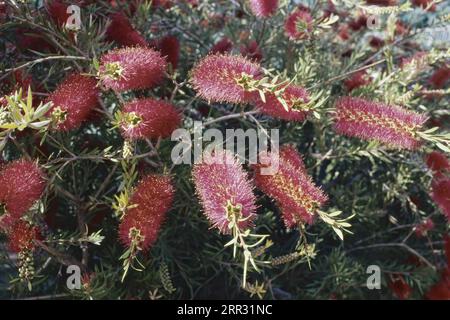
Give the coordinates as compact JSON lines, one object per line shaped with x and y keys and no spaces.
{"x":391,"y":125}
{"x":131,"y":69}
{"x":291,"y":187}
{"x":122,"y":32}
{"x":441,"y":194}
{"x":263,"y":8}
{"x":225,"y":78}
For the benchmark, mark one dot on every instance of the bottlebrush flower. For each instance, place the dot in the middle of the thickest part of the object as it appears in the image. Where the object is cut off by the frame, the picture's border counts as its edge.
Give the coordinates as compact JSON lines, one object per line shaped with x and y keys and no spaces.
{"x":122,"y":32}
{"x":131,"y":69}
{"x":437,"y":161}
{"x":21,"y":236}
{"x":169,"y":47}
{"x":376,"y":42}
{"x":151,"y":200}
{"x":359,"y":23}
{"x":439,"y":78}
{"x":224,"y":78}
{"x":263,"y":8}
{"x":424,"y":4}
{"x":441,"y":195}
{"x":399,"y":287}
{"x":368,"y":120}
{"x":149,"y":118}
{"x":73,"y":101}
{"x":295,"y":97}
{"x":224,"y":45}
{"x":222,"y":185}
{"x":21,"y":185}
{"x":358,"y":79}
{"x":57,"y":11}
{"x":299,"y":24}
{"x":291,"y":187}
{"x":423,"y":227}
{"x":441,"y":290}
{"x":252,"y":51}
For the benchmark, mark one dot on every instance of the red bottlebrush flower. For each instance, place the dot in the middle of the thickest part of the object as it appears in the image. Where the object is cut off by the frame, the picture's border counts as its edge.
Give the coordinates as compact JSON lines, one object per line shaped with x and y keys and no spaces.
{"x":131,"y":69}
{"x":224,"y":45}
{"x":437,"y":161}
{"x":399,"y":287}
{"x":122,"y":32}
{"x":170,"y":48}
{"x":21,"y":236}
{"x":252,"y":51}
{"x":152,"y":198}
{"x":440,"y":291}
{"x":368,"y":120}
{"x":166,"y":4}
{"x":440,"y":77}
{"x":423,"y":227}
{"x":149,"y":118}
{"x":376,"y":42}
{"x":295,"y":97}
{"x":222,"y":185}
{"x":343,"y":32}
{"x":73,"y":101}
{"x":447,"y":249}
{"x":383,"y":3}
{"x":263,"y":8}
{"x":21,"y":185}
{"x":222,"y":78}
{"x":424,"y":4}
{"x":290,"y":186}
{"x":358,"y":23}
{"x":441,"y":195}
{"x":358,"y":79}
{"x":57,"y":11}
{"x":299,"y":24}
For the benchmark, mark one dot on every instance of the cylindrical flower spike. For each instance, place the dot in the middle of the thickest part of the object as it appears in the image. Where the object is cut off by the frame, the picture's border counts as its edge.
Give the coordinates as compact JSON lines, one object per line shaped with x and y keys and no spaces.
{"x":169,"y":47}
{"x":151,"y":200}
{"x":225,"y":78}
{"x":149,"y":118}
{"x":21,"y":236}
{"x":441,"y":194}
{"x":263,"y":8}
{"x":224,"y":45}
{"x":73,"y":101}
{"x":122,"y":32}
{"x":224,"y":189}
{"x":368,"y":120}
{"x":21,"y":185}
{"x":299,"y":24}
{"x":295,"y":97}
{"x":290,"y":186}
{"x":437,"y":161}
{"x":131,"y":69}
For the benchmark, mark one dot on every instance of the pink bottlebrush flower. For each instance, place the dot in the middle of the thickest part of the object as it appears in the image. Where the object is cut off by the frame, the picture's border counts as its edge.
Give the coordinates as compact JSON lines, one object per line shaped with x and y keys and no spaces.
{"x":295,"y":97}
{"x":169,"y":47}
{"x":423,"y":227}
{"x":73,"y":101}
{"x":223,"y":185}
{"x":263,"y":8}
{"x":252,"y":51}
{"x":122,"y":32}
{"x":437,"y":161}
{"x":299,"y":24}
{"x":383,"y":3}
{"x":291,"y":187}
{"x":223,"y":78}
{"x":131,"y":69}
{"x":424,"y":4}
{"x":151,"y":200}
{"x":440,"y":77}
{"x":357,"y":80}
{"x":149,"y":118}
{"x":441,"y":195}
{"x":21,"y":236}
{"x":368,"y":120}
{"x":224,"y":45}
{"x":21,"y":185}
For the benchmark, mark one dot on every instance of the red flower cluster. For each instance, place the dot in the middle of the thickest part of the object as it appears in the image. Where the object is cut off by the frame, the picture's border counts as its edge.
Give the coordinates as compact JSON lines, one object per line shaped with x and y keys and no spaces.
{"x":131,"y":68}
{"x":263,"y":8}
{"x":440,"y":77}
{"x":122,"y":32}
{"x":222,"y":184}
{"x":252,"y":51}
{"x":399,"y":287}
{"x":441,"y":194}
{"x":151,"y":199}
{"x":295,"y":97}
{"x":368,"y":120}
{"x":423,"y":227}
{"x":222,"y":78}
{"x":73,"y":101}
{"x":21,"y":185}
{"x":224,"y":45}
{"x":149,"y":118}
{"x":358,"y":79}
{"x":441,"y":290}
{"x":21,"y":236}
{"x":57,"y":11}
{"x":169,"y":47}
{"x":291,"y":187}
{"x":437,"y":162}
{"x":300,"y":17}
